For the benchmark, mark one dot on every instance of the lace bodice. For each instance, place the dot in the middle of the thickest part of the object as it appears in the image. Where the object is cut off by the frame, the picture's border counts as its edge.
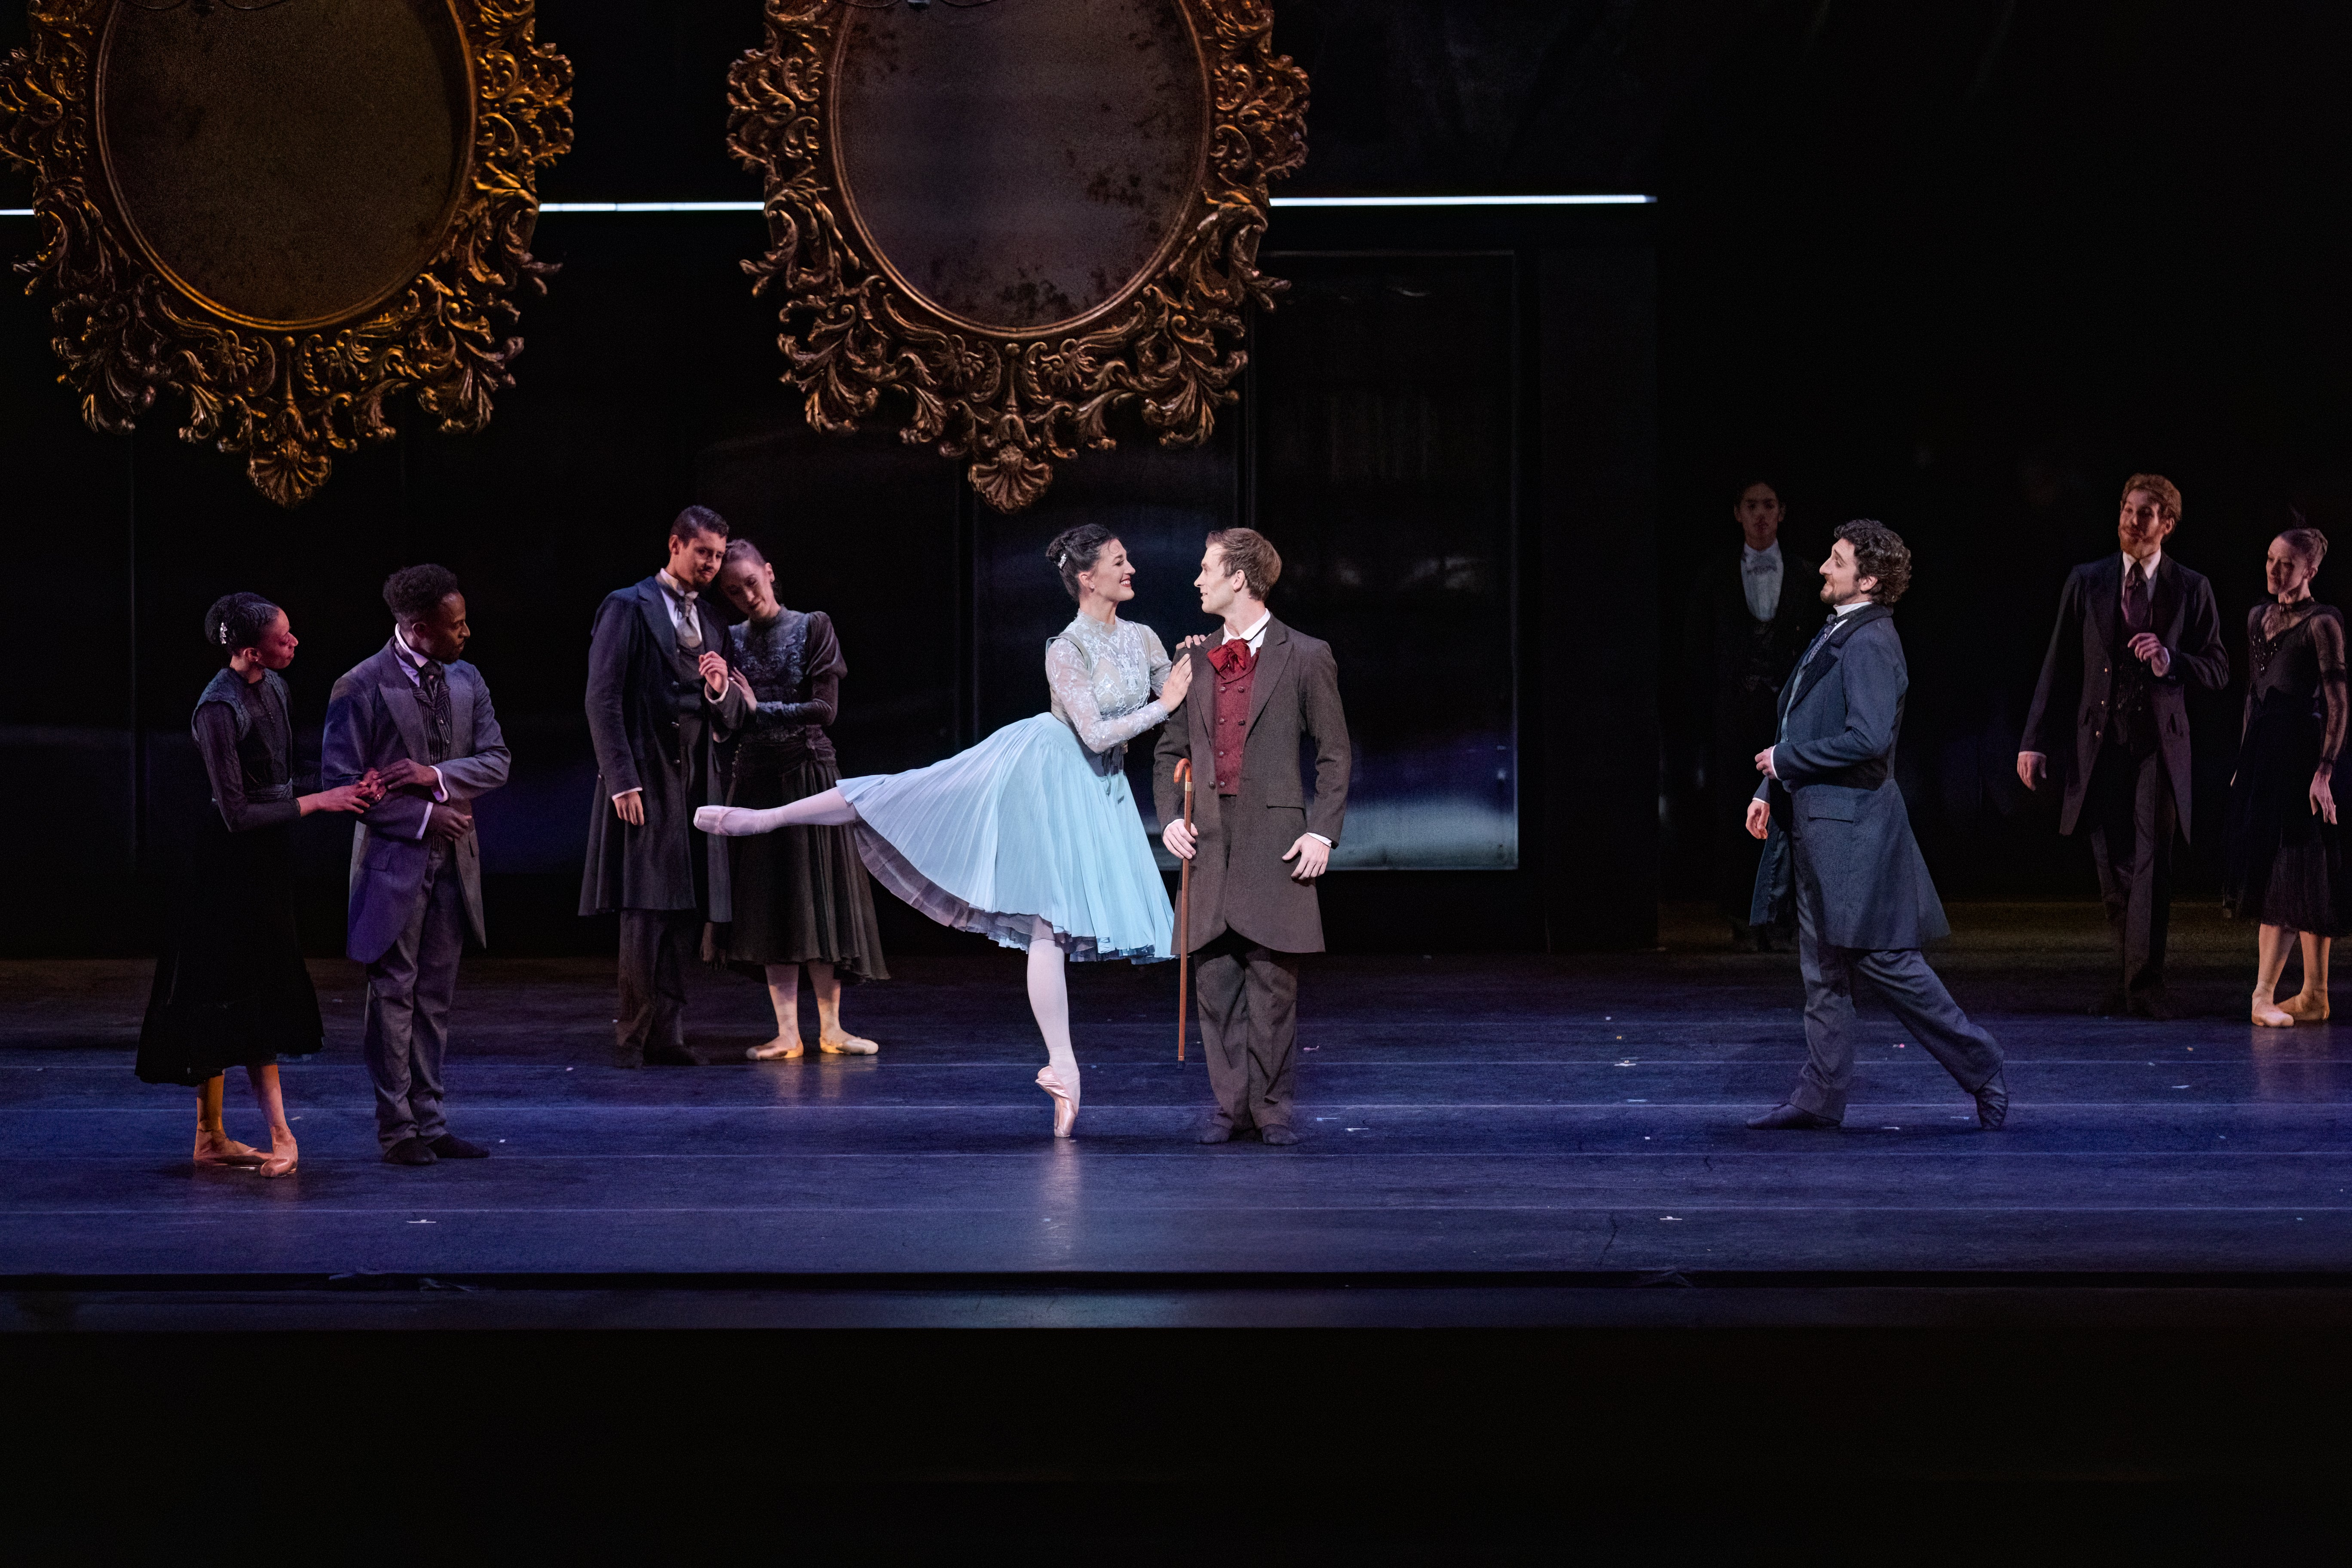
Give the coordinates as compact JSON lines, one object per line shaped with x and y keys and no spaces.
{"x":2295,"y":671}
{"x":1105,"y":679}
{"x":795,"y":665}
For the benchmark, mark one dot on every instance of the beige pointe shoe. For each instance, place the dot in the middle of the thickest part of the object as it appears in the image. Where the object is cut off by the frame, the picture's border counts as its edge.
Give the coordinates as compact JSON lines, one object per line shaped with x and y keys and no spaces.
{"x":778,"y":1049}
{"x":849,"y":1045}
{"x":2306,"y":1008}
{"x":2269,"y":1014}
{"x":1066,"y":1108}
{"x":281,"y":1161}
{"x":219,"y":1152}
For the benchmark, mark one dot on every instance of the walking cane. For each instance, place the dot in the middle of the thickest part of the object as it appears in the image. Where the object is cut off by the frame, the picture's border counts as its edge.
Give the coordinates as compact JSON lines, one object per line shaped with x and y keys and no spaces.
{"x":1184,"y":909}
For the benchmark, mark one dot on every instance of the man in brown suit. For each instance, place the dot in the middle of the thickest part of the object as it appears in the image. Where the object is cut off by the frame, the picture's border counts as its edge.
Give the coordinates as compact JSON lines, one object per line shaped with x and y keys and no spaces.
{"x":1258,"y":845}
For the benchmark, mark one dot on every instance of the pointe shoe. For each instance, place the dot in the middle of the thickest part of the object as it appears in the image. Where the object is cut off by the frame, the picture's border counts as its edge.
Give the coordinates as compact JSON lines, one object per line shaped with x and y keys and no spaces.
{"x":2306,"y":1008}
{"x":2269,"y":1014}
{"x":847,"y":1046}
{"x":776,"y":1051}
{"x":1066,"y":1108}
{"x":280,"y":1163}
{"x":224,"y":1153}
{"x":728,"y":821}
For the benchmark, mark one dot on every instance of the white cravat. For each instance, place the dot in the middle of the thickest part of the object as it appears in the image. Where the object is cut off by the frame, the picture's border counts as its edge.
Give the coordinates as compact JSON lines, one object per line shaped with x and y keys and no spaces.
{"x":1759,"y":578}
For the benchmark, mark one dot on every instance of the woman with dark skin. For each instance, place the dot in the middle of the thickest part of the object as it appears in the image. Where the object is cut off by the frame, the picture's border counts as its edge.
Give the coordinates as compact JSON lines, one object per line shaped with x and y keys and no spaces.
{"x":230,"y":986}
{"x":2285,"y":868}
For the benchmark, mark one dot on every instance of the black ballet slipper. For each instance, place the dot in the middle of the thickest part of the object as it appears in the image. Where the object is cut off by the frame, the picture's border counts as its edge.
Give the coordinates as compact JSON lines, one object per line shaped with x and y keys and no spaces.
{"x":1790,"y":1118}
{"x":449,"y":1146}
{"x":410,"y":1151}
{"x":1992,"y":1102}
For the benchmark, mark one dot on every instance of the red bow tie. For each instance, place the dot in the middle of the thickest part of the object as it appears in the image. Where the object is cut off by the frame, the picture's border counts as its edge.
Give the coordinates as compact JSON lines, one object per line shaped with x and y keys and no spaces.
{"x":1232,"y":658}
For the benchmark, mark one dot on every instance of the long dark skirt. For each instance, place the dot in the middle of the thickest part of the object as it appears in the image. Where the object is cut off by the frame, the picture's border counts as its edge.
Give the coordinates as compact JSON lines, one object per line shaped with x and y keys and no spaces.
{"x":2282,"y":863}
{"x":800,"y":894}
{"x":230,"y":988}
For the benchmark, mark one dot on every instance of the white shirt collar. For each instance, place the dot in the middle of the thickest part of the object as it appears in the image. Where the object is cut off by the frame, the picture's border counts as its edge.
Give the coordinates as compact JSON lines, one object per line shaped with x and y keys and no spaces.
{"x":1255,"y":635}
{"x":2153,"y":561}
{"x":1750,"y":554}
{"x":1857,"y":605}
{"x":408,"y":655}
{"x":676,"y":587}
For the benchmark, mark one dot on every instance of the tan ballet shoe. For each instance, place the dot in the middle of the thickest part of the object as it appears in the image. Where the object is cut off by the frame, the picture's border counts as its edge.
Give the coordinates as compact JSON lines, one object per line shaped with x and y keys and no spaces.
{"x":1065,"y":1109}
{"x":778,"y":1049}
{"x":222,"y":1152}
{"x":2306,"y":1008}
{"x":2269,"y":1014}
{"x":281,"y":1161}
{"x":847,"y":1046}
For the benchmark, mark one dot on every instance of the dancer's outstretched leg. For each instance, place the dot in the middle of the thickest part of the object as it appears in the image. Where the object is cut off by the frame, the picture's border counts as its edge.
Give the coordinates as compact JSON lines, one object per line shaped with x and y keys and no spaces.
{"x":826,"y":810}
{"x":1049,"y":999}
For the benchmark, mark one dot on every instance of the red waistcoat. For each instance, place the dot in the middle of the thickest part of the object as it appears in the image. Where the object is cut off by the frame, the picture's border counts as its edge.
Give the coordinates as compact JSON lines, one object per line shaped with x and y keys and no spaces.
{"x":1236,"y":667}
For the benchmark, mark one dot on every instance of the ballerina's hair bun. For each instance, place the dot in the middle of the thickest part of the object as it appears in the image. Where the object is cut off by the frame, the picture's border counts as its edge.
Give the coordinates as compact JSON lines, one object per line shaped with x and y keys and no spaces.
{"x":237,"y":621}
{"x":2307,"y":543}
{"x":1076,"y":550}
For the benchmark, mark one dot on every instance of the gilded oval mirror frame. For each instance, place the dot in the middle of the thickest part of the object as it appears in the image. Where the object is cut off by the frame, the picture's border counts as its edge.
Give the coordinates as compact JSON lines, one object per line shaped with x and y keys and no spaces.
{"x":395,"y":268}
{"x":1013,"y":348}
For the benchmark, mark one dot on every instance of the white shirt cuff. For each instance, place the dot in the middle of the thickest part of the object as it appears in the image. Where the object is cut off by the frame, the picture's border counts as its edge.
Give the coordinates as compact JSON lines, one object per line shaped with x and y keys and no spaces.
{"x":1321,"y":840}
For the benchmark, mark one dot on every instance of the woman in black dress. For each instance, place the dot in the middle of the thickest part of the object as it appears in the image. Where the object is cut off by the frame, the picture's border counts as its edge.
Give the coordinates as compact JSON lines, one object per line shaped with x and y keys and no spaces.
{"x":230,"y":989}
{"x":2284,"y":869}
{"x":801,"y":895}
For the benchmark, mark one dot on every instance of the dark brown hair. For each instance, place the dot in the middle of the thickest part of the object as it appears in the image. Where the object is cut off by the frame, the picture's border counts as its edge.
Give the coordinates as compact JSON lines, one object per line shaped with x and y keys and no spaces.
{"x":1076,"y":550}
{"x":1879,"y":551}
{"x":2307,"y":543}
{"x":696,"y":519}
{"x":1251,"y":553}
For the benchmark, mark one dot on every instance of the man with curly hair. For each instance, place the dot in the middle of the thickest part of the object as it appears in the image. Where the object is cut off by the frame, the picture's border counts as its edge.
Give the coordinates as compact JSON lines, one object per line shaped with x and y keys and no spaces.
{"x":1840,"y":845}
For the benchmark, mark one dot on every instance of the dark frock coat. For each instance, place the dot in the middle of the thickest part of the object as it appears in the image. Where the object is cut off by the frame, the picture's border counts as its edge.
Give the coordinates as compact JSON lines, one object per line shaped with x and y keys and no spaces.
{"x":373,"y":720}
{"x":655,"y":729}
{"x":1240,"y":881}
{"x":1838,"y":818}
{"x":2068,"y":720}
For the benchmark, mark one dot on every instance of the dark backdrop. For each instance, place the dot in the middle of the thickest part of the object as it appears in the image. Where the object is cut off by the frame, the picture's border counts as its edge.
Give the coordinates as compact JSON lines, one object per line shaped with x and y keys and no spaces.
{"x":1961,"y":265}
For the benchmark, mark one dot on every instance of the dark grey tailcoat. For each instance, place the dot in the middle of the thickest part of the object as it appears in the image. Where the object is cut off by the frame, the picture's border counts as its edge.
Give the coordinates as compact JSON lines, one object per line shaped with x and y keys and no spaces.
{"x":655,"y":729}
{"x":1840,"y":715}
{"x":373,"y":721}
{"x":2068,"y":719}
{"x":1294,"y":697}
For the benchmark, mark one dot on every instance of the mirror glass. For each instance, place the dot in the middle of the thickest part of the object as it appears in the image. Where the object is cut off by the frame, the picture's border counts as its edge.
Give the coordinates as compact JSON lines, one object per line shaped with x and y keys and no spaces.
{"x":291,"y":166}
{"x":1019,"y":164}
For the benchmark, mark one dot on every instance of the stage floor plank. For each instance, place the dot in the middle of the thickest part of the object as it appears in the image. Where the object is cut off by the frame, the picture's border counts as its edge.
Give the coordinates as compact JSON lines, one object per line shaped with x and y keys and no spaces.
{"x":1492,"y":1114}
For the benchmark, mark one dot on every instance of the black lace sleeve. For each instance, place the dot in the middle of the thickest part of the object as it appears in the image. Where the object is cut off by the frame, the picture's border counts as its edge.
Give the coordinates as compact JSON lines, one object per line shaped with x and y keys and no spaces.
{"x":2327,"y":642}
{"x":215,"y":731}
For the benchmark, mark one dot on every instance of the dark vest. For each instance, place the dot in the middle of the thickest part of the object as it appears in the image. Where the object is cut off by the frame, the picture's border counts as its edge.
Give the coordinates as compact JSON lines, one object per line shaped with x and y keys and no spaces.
{"x":1236,"y":672}
{"x":2131,"y":700}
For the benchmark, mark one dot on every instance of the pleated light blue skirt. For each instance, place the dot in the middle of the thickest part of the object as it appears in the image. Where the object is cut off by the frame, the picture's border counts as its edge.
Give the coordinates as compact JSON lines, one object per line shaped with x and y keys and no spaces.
{"x":1021,"y":825}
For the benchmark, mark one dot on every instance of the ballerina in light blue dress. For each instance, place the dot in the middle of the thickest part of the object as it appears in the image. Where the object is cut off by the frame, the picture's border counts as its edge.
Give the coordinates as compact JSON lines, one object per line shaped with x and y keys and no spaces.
{"x":1032,"y":838}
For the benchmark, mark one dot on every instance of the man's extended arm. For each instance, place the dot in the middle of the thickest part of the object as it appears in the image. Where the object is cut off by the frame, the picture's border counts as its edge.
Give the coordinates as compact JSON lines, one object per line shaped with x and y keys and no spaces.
{"x":485,"y":770}
{"x":1328,"y":723}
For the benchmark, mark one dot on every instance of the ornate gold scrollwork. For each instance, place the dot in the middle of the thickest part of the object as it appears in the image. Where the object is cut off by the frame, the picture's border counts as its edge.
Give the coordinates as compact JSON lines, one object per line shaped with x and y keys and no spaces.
{"x":286,"y":394}
{"x":1010,"y":399}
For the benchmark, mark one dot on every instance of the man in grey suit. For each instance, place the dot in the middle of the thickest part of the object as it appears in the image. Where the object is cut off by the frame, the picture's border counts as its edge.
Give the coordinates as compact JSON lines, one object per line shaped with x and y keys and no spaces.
{"x":1840,"y":843}
{"x":2135,"y":630}
{"x":1258,"y":843}
{"x":658,"y":703}
{"x":420,"y":718}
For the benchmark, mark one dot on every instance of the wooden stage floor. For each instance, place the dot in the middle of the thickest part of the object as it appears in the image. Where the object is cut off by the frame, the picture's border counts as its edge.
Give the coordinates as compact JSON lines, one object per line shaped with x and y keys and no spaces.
{"x":1577,"y":1117}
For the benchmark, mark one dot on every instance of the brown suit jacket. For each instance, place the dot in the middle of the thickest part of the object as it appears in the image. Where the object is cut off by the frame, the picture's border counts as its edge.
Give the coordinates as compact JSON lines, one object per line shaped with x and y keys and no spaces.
{"x":1240,"y":882}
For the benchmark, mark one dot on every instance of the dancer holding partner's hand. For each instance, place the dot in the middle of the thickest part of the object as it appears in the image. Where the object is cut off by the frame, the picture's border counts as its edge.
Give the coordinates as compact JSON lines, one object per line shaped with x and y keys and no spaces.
{"x":1032,"y":838}
{"x":230,"y":986}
